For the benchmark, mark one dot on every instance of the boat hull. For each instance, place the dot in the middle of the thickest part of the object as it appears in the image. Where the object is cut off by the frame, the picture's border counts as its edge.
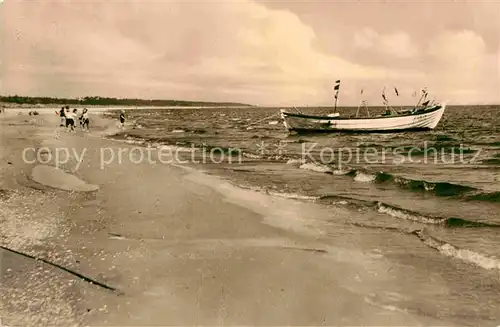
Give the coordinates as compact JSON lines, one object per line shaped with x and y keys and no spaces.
{"x":426,"y":120}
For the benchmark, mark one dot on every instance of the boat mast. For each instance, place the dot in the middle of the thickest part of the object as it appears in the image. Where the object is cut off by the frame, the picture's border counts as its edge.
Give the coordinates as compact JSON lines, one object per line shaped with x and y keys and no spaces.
{"x":386,"y":102}
{"x":336,"y":89}
{"x":397,"y":94}
{"x":360,"y":102}
{"x":423,"y":96}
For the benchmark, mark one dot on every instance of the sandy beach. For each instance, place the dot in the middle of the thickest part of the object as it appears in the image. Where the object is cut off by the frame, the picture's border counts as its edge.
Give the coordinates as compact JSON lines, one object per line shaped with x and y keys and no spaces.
{"x":250,"y":163}
{"x":134,"y":243}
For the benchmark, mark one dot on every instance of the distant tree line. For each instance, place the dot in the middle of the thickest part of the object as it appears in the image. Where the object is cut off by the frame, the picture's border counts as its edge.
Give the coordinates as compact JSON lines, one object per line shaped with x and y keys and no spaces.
{"x":104,"y":101}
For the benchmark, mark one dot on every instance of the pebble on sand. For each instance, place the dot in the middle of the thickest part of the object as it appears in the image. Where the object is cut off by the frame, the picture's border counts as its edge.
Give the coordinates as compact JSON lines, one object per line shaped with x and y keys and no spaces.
{"x":58,"y":178}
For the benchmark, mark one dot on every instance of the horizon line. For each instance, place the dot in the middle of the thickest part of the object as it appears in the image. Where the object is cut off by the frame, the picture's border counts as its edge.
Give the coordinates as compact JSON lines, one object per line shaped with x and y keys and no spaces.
{"x":232,"y":103}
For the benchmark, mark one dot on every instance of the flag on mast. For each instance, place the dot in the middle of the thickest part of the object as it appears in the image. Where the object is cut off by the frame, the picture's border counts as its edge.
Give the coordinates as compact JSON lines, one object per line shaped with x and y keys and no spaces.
{"x":386,"y":102}
{"x":424,"y":92}
{"x":336,"y":88}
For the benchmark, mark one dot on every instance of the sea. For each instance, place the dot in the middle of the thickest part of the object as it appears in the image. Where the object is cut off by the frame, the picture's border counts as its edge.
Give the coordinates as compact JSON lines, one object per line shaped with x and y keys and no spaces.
{"x":436,"y":192}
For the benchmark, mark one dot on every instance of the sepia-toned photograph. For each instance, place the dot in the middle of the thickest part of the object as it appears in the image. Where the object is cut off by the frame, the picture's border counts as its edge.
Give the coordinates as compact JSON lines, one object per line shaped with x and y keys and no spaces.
{"x":249,"y":163}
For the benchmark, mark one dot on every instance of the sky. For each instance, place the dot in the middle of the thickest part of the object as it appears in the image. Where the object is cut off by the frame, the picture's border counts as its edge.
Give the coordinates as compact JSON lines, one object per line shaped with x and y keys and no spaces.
{"x":272,"y":53}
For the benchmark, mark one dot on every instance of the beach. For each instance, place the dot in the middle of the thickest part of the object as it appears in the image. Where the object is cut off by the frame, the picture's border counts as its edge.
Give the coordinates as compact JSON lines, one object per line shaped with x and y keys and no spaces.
{"x":145,"y":241}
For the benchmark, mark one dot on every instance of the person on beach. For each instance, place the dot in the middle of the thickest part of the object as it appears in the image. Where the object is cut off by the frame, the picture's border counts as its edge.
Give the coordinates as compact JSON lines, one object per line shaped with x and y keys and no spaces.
{"x":80,"y":119}
{"x":67,"y":115}
{"x":85,"y":120}
{"x":70,"y":119}
{"x":62,"y":115}
{"x":122,"y":119}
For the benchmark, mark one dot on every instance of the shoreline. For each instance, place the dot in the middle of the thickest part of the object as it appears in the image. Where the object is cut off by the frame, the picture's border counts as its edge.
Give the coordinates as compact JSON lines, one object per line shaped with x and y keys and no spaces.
{"x":185,"y":248}
{"x":8,"y":107}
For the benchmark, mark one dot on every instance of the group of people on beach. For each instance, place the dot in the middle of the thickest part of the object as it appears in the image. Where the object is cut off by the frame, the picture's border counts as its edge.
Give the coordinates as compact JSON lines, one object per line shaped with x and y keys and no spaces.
{"x":68,"y":118}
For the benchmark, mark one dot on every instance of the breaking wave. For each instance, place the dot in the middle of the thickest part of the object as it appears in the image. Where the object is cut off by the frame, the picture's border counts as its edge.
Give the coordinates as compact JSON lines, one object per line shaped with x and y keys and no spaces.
{"x":251,"y":155}
{"x":320,"y":168}
{"x":295,"y":162}
{"x":292,"y":196}
{"x":441,"y":189}
{"x":364,"y":177}
{"x":405,"y":214}
{"x":445,"y":248}
{"x":438,"y":188}
{"x":316,"y":167}
{"x":465,"y":255}
{"x":380,"y":207}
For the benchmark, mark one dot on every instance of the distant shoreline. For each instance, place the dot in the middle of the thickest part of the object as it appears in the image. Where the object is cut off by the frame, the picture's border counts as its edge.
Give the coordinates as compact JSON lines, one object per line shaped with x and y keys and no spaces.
{"x":185,"y":105}
{"x":23,"y":101}
{"x":7,"y":105}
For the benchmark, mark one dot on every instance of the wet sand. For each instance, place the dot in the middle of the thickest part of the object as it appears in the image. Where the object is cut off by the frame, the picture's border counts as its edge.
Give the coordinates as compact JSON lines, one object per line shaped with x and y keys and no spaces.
{"x":170,"y":245}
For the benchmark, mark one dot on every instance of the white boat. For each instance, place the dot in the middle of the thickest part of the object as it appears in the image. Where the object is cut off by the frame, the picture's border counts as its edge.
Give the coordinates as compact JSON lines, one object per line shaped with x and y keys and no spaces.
{"x":421,"y":117}
{"x":425,"y":118}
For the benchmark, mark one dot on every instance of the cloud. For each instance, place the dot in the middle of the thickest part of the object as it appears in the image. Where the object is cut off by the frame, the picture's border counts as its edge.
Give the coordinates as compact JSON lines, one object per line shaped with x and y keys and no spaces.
{"x":455,"y":65}
{"x":460,"y":65}
{"x":234,"y":51}
{"x":397,"y":45}
{"x":463,"y":49}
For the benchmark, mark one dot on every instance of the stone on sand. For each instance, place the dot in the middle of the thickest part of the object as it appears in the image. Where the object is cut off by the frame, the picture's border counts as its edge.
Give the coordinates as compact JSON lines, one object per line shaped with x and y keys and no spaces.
{"x":58,"y":178}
